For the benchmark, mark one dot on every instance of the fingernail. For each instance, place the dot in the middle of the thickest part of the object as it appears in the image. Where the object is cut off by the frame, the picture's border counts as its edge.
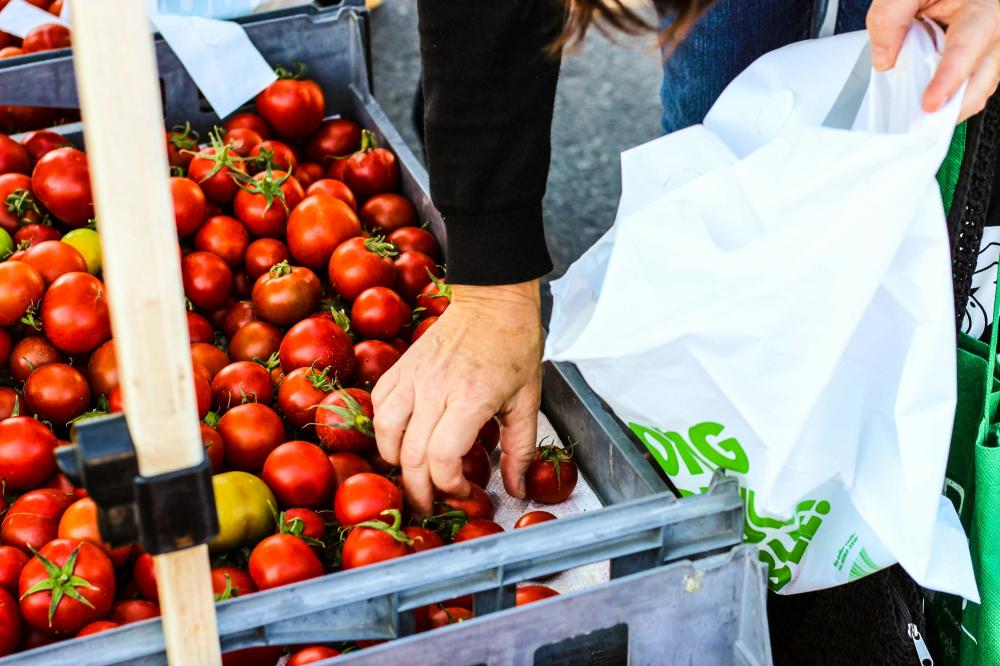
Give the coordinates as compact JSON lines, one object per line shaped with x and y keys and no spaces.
{"x":880,"y":58}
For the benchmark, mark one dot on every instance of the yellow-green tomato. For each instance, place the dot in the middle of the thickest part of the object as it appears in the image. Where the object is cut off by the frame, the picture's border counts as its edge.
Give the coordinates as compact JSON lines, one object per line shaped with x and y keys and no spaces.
{"x":245,"y":506}
{"x":6,"y":244}
{"x":88,"y":243}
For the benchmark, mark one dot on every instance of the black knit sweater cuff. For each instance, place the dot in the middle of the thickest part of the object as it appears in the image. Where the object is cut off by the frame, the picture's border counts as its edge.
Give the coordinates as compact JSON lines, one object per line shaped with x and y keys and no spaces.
{"x":499,"y":248}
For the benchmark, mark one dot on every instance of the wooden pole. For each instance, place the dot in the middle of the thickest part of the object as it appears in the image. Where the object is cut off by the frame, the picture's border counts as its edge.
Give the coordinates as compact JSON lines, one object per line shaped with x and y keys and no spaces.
{"x":123,"y":126}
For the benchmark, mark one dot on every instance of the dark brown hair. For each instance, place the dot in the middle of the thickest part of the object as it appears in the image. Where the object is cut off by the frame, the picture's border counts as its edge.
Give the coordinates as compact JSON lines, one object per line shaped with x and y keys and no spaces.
{"x":609,"y":16}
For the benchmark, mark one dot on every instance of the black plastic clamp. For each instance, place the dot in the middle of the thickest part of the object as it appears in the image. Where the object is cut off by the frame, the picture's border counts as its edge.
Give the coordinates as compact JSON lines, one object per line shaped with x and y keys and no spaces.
{"x":162,"y":513}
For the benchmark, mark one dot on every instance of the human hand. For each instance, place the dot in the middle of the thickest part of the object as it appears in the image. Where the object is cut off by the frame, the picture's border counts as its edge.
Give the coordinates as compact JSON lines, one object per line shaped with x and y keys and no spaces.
{"x":482,"y":357}
{"x":971,"y":48}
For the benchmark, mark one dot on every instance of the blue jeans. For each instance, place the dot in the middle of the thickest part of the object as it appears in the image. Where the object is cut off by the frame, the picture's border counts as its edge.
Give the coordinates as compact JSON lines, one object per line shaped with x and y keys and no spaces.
{"x":730,"y":36}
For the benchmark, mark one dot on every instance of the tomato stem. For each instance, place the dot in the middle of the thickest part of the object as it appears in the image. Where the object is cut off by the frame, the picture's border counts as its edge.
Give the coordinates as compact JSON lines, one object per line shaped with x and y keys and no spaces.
{"x":60,"y":582}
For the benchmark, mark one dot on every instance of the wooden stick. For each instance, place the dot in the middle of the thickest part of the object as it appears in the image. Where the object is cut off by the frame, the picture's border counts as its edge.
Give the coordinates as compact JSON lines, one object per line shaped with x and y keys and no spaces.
{"x":123,"y":126}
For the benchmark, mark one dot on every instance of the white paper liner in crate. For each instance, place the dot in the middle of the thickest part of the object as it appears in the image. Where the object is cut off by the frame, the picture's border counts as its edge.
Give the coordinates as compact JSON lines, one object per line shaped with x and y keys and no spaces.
{"x":509,"y":509}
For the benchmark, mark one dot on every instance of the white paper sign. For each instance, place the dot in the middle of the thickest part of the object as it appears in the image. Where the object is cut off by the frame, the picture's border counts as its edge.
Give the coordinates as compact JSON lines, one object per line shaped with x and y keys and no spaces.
{"x":19,"y":18}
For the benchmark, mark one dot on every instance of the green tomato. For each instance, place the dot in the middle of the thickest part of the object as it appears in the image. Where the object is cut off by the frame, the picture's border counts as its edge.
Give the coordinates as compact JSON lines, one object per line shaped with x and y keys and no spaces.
{"x":88,"y":243}
{"x":6,"y":244}
{"x":245,"y":506}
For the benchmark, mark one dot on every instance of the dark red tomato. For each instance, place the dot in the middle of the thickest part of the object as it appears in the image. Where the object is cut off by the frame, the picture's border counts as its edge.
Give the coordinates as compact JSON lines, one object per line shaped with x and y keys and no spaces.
{"x":278,"y":154}
{"x":250,"y":121}
{"x":47,"y":37}
{"x":371,"y":170}
{"x":442,"y":617}
{"x":317,"y":226}
{"x":321,"y":342}
{"x":12,"y":561}
{"x":308,"y":173}
{"x":215,"y":448}
{"x":476,"y":465}
{"x":241,"y":140}
{"x":379,"y":313}
{"x":41,"y":142}
{"x":299,"y":474}
{"x":477,"y":505}
{"x":217,"y":172}
{"x":313,"y":526}
{"x":400,"y":344}
{"x":364,"y":497}
{"x":414,"y":271}
{"x":335,"y":138}
{"x":22,"y":287}
{"x":257,"y":656}
{"x":286,"y":294}
{"x":225,"y":236}
{"x":190,"y":206}
{"x":239,"y":582}
{"x":32,"y":234}
{"x":369,"y":545}
{"x":5,"y":347}
{"x":237,"y":316}
{"x":75,"y":313}
{"x":57,"y":393}
{"x":27,"y":455}
{"x":527,"y":594}
{"x":387,"y":212}
{"x":345,"y":465}
{"x":102,"y":368}
{"x":32,"y":638}
{"x":61,"y":181}
{"x":10,"y":402}
{"x":182,"y":143}
{"x":256,"y":340}
{"x":374,"y":359}
{"x":144,"y":576}
{"x":241,"y":285}
{"x":434,"y":298}
{"x":311,"y":654}
{"x":250,"y":432}
{"x":262,"y":254}
{"x":241,"y":382}
{"x":61,"y":482}
{"x":281,"y":559}
{"x":133,"y":610}
{"x":423,"y":538}
{"x":10,"y":622}
{"x":116,"y":403}
{"x":489,"y":435}
{"x":477,"y":528}
{"x":79,"y":522}
{"x":551,"y":476}
{"x":333,"y":188}
{"x":336,"y":170}
{"x":208,"y":282}
{"x":414,"y":239}
{"x":299,"y":394}
{"x":264,"y":203}
{"x":17,"y":203}
{"x":209,"y":357}
{"x":97,"y":627}
{"x":361,"y":263}
{"x":534,"y":518}
{"x":31,"y":353}
{"x":344,"y":421}
{"x":33,"y":519}
{"x":49,"y":613}
{"x":294,"y":108}
{"x":14,"y":157}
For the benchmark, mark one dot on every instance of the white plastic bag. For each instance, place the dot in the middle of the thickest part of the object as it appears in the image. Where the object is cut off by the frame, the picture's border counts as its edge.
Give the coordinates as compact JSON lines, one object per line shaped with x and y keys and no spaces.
{"x":775,"y":299}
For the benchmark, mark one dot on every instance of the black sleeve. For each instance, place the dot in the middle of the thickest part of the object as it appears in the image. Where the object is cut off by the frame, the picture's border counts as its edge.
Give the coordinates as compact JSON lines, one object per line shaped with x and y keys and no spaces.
{"x":489,"y":87}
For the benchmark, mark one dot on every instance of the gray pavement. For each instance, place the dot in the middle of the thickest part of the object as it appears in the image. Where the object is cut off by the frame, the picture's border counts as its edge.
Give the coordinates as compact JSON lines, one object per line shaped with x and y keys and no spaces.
{"x":607,"y":101}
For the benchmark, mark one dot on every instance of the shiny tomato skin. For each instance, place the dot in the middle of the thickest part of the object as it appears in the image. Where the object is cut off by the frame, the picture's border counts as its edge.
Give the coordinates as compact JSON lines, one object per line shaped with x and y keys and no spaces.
{"x":364,"y":497}
{"x":433,"y":301}
{"x":280,"y":155}
{"x":215,"y":448}
{"x":414,"y":239}
{"x":379,"y":313}
{"x":344,"y":421}
{"x":250,"y":432}
{"x":261,"y":219}
{"x":222,"y":186}
{"x":489,"y":435}
{"x":240,"y":582}
{"x":22,"y":287}
{"x":547,"y":483}
{"x":534,"y":518}
{"x":14,"y":157}
{"x":477,"y":505}
{"x":27,"y":452}
{"x":53,"y":258}
{"x":286,"y":294}
{"x":225,"y":236}
{"x":293,"y":108}
{"x":33,"y":234}
{"x":527,"y":594}
{"x":413,"y":273}
{"x":311,"y":654}
{"x":70,"y":615}
{"x":208,"y":281}
{"x":313,"y":526}
{"x":10,"y":622}
{"x":281,"y":559}
{"x":317,"y":226}
{"x":308,"y":173}
{"x":250,"y":121}
{"x":476,"y":465}
{"x":46,"y":37}
{"x":128,"y":611}
{"x":262,"y":254}
{"x":299,"y":474}
{"x":333,"y":188}
{"x":442,"y":617}
{"x":371,"y":172}
{"x":238,"y":315}
{"x":241,"y":382}
{"x":57,"y":393}
{"x":367,"y":545}
{"x":190,"y":205}
{"x":97,"y":627}
{"x":241,"y":140}
{"x":33,"y":519}
{"x":321,"y":342}
{"x":374,"y":357}
{"x":75,"y":313}
{"x":144,"y":576}
{"x":423,"y":538}
{"x":334,"y":138}
{"x":359,"y":264}
{"x":388,"y":212}
{"x":477,"y":528}
{"x":79,"y":521}
{"x":31,"y":353}
{"x":199,"y":328}
{"x":61,"y":181}
{"x":11,"y":183}
{"x":41,"y":142}
{"x":298,"y":396}
{"x":255,"y":340}
{"x":9,"y":401}
{"x":345,"y":465}
{"x":12,"y":561}
{"x":209,"y":357}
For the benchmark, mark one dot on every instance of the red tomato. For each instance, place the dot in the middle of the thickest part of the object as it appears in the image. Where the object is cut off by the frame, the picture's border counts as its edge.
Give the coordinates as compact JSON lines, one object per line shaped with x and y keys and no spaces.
{"x":489,"y":435}
{"x":250,"y":121}
{"x":298,"y":474}
{"x":17,"y":203}
{"x":365,"y":497}
{"x":216,"y":171}
{"x":75,"y":313}
{"x":321,"y":342}
{"x":81,"y":560}
{"x":209,"y":357}
{"x":345,"y":465}
{"x":225,"y":236}
{"x":61,"y":181}
{"x":422,"y":327}
{"x":281,"y":559}
{"x":250,"y":432}
{"x":299,"y":394}
{"x":264,"y":203}
{"x":133,"y":610}
{"x":238,"y":315}
{"x":31,"y":353}
{"x":477,"y":528}
{"x":27,"y":455}
{"x":379,"y":313}
{"x":10,"y":402}
{"x":262,"y":254}
{"x":40,"y":142}
{"x":333,"y":188}
{"x":257,"y":656}
{"x":311,"y":654}
{"x":286,"y":294}
{"x":369,"y":545}
{"x":294,"y":108}
{"x":22,"y":287}
{"x":241,"y":382}
{"x":79,"y":522}
{"x":13,"y":156}
{"x":335,"y":138}
{"x":477,"y":505}
{"x":33,"y":519}
{"x":442,"y":617}
{"x":371,"y":170}
{"x":374,"y":359}
{"x":215,"y":448}
{"x":256,"y":340}
{"x":476,"y":465}
{"x":434,"y":298}
{"x":190,"y":206}
{"x":308,"y":173}
{"x":534,"y":518}
{"x":10,"y":623}
{"x":423,"y":538}
{"x":199,"y":329}
{"x":344,"y":421}
{"x":241,"y":140}
{"x":46,"y":37}
{"x":208,"y":282}
{"x":317,"y":226}
{"x":182,"y":143}
{"x":312,"y":525}
{"x":12,"y":561}
{"x":387,"y":212}
{"x":57,"y":393}
{"x":97,"y":627}
{"x":552,"y":475}
{"x":144,"y":576}
{"x":279,"y":155}
{"x":5,"y":347}
{"x":414,"y":271}
{"x":527,"y":594}
{"x":361,"y":263}
{"x":239,"y":581}
{"x":414,"y":239}
{"x":32,"y":234}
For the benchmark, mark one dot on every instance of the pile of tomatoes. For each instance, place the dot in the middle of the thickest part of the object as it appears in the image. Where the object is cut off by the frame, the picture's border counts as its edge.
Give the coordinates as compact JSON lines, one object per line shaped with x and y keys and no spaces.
{"x":307,"y":275}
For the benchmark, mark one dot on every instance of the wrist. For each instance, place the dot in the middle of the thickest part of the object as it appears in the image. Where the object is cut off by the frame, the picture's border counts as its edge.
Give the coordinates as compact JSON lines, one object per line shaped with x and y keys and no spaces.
{"x":521,"y":295}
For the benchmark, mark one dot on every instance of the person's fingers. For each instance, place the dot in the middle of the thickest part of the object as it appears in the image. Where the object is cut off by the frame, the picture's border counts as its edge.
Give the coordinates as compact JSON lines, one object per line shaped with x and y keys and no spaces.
{"x":413,"y":454}
{"x":517,"y":440}
{"x":968,"y":38}
{"x":392,"y":414}
{"x":452,"y":438}
{"x":982,"y":85}
{"x":888,"y":21}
